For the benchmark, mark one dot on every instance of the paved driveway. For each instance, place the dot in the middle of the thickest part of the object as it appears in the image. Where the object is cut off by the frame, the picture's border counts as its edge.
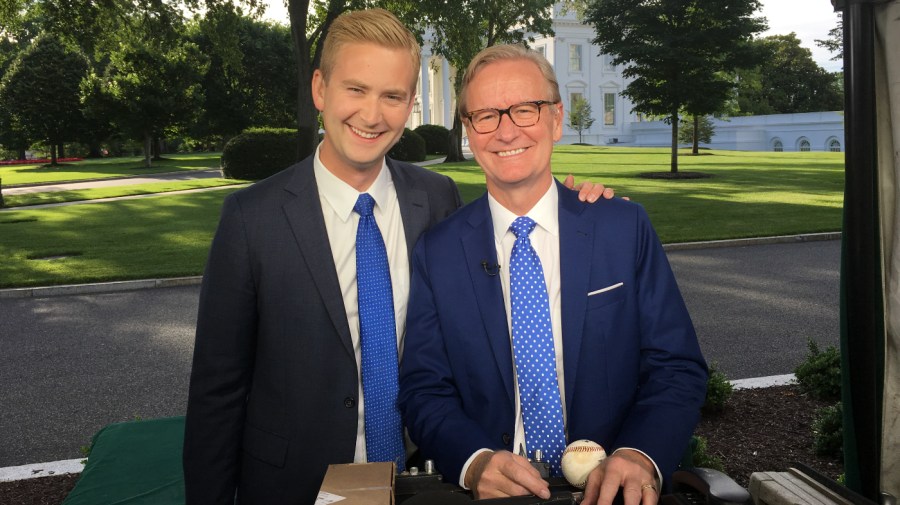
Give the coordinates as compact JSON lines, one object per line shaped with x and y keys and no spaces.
{"x":71,"y":364}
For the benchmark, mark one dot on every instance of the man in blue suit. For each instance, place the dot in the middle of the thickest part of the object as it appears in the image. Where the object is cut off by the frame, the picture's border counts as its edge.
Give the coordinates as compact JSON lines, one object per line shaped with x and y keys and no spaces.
{"x":623,"y":352}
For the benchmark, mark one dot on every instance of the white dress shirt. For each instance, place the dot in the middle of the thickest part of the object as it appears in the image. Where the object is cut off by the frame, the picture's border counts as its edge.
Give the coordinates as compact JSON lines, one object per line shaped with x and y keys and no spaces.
{"x":337,"y":199}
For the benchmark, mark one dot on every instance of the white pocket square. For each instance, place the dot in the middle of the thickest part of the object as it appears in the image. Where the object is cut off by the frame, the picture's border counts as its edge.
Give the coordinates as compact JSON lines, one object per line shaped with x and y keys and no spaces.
{"x":607,"y":288}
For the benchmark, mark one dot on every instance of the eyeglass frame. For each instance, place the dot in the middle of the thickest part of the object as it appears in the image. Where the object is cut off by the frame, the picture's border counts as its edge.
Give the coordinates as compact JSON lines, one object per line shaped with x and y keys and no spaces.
{"x":501,"y":112}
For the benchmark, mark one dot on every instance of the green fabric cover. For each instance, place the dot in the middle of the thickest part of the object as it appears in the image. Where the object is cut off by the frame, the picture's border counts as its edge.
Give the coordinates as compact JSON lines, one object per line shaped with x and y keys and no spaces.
{"x":137,"y":462}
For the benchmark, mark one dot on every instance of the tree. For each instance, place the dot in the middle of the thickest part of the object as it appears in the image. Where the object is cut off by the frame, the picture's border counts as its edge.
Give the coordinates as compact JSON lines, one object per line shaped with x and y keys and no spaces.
{"x":789,"y":80}
{"x":41,"y":92}
{"x":678,"y":52}
{"x":466,"y":27}
{"x":697,"y":129}
{"x":154,"y":78}
{"x":580,"y":116}
{"x":246,"y":84}
{"x":835,"y":41}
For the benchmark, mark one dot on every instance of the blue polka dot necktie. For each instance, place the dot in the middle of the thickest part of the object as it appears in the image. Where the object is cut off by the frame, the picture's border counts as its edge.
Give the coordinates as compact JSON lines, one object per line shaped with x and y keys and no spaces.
{"x":378,"y":337}
{"x":535,"y":358}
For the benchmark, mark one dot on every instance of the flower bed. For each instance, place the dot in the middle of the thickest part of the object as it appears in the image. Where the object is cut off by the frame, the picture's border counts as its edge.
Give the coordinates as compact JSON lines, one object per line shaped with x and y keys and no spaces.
{"x":37,"y":161}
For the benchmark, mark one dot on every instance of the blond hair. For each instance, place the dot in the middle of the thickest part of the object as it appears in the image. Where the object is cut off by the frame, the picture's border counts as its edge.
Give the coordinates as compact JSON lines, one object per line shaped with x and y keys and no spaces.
{"x":373,"y":26}
{"x":507,"y":52}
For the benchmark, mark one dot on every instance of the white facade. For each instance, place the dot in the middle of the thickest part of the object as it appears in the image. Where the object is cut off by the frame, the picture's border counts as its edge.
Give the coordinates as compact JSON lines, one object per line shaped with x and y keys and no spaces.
{"x":582,"y":71}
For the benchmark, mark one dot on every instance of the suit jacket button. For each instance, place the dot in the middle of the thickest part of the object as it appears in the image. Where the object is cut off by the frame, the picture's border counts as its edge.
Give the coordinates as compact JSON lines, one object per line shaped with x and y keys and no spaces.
{"x":350,"y":402}
{"x":507,"y":439}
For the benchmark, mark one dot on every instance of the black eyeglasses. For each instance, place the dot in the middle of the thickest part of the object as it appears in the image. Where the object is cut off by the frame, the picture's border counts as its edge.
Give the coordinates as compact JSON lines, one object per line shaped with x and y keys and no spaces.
{"x":521,"y":114}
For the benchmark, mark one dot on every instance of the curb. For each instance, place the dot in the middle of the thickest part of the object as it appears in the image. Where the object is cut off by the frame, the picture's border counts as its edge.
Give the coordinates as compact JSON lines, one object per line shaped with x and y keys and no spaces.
{"x":99,"y":287}
{"x":37,"y":470}
{"x":66,"y":466}
{"x":741,"y":242}
{"x":112,"y":287}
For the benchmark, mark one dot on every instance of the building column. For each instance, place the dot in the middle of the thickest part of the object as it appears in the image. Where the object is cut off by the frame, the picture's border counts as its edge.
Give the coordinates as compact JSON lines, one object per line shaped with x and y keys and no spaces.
{"x":425,"y":98}
{"x":448,"y":112}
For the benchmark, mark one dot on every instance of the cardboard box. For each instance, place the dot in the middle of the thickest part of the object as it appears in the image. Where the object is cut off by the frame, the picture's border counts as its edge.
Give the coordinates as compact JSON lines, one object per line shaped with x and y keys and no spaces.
{"x":358,"y":484}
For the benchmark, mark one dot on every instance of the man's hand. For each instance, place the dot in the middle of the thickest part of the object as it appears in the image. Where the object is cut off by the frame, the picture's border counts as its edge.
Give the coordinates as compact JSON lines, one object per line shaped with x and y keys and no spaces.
{"x":588,"y":191}
{"x":630,"y":470}
{"x":501,"y":474}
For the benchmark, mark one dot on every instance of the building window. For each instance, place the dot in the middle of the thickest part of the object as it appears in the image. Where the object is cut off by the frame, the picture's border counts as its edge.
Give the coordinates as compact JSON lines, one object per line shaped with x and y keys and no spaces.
{"x":803,"y":145}
{"x":575,"y":58}
{"x":609,"y":109}
{"x":574,"y":97}
{"x":834,"y":146}
{"x":608,"y":61}
{"x":777,"y":146}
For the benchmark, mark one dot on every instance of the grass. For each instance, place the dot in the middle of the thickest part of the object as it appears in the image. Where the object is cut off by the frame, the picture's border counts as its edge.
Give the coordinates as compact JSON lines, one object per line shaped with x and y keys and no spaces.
{"x":749,"y":194}
{"x":105,"y":168}
{"x":98,"y":193}
{"x":165,"y":236}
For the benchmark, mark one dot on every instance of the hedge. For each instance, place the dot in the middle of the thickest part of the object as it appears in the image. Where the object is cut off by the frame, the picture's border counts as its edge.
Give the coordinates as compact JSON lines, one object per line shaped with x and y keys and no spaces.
{"x":259,"y":152}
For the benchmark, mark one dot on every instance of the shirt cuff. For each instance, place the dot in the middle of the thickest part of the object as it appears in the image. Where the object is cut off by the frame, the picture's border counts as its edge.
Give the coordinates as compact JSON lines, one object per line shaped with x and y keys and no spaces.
{"x":465,"y":468}
{"x":658,"y":473}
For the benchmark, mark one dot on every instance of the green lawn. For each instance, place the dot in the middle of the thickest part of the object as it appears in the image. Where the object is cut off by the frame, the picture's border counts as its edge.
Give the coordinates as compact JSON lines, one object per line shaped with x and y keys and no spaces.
{"x":114,"y":191}
{"x":105,"y":168}
{"x":749,"y":194}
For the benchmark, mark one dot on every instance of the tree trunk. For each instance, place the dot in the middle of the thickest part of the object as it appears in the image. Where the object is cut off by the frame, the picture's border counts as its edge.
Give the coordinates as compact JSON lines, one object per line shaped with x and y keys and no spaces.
{"x":20,"y":153}
{"x":696,"y":147}
{"x":307,"y":115}
{"x":94,"y":150}
{"x":61,"y":150}
{"x":675,"y":142}
{"x":157,"y":148}
{"x":53,"y":162}
{"x":454,"y":150}
{"x":148,"y":147}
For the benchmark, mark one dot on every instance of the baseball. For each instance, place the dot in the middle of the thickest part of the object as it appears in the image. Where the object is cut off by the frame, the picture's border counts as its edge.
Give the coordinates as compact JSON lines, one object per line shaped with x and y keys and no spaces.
{"x":579,"y":460}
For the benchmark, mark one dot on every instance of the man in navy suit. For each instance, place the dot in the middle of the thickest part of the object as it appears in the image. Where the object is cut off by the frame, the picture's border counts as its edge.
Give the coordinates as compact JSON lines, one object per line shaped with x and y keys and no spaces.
{"x":625,"y":354}
{"x":275,"y":393}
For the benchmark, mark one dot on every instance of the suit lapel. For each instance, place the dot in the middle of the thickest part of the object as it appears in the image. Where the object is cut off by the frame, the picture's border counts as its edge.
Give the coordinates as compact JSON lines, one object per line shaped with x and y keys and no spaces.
{"x":414,"y":206}
{"x":478,"y":244}
{"x":304,"y":214}
{"x":575,"y":253}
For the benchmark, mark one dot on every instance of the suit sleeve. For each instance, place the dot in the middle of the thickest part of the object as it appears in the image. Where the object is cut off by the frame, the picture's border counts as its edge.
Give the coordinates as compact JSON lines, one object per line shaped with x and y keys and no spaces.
{"x":429,"y":399}
{"x":673,"y":373}
{"x":222,"y":365}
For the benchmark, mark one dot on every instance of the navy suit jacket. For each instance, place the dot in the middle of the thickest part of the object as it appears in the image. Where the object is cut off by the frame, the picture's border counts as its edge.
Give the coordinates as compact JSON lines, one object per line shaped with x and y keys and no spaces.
{"x":634,"y":373}
{"x":273,"y":393}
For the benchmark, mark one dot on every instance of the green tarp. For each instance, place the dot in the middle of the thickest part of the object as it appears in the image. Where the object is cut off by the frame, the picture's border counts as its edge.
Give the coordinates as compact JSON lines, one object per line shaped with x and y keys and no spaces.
{"x":133,"y":463}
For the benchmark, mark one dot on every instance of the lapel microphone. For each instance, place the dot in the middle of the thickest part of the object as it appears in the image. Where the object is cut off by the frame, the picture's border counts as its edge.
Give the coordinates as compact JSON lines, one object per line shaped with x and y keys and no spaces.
{"x":491,"y":269}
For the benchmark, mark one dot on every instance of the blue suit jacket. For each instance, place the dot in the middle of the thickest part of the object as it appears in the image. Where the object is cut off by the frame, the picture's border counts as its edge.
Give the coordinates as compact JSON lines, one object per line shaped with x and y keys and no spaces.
{"x":634,"y":374}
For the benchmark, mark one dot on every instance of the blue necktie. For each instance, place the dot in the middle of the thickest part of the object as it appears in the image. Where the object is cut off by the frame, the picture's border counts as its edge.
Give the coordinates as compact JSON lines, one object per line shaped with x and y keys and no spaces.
{"x":378,"y":336}
{"x":535,"y":359}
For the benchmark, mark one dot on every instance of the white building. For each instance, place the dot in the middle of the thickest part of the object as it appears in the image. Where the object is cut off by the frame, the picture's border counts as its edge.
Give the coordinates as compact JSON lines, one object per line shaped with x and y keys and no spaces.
{"x":583,"y":72}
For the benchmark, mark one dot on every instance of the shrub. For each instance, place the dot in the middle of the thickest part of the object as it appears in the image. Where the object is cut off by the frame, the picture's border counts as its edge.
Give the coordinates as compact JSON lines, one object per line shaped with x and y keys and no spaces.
{"x":259,"y":152}
{"x":820,"y":374}
{"x":701,"y":456}
{"x":718,"y":390}
{"x":437,"y":138}
{"x":828,"y":431}
{"x":411,"y":147}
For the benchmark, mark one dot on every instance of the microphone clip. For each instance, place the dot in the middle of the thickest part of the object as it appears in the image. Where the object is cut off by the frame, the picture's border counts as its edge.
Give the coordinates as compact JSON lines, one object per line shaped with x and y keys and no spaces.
{"x":491,"y":269}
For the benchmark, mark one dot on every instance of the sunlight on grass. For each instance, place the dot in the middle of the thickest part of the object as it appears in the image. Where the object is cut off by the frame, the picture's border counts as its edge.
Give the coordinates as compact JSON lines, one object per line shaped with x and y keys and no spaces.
{"x":105,"y":168}
{"x":749,"y":194}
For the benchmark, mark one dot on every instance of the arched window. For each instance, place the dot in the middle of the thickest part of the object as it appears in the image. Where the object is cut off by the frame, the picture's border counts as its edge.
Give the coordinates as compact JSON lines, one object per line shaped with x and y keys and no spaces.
{"x":834,"y":145}
{"x":803,"y":145}
{"x":777,"y":146}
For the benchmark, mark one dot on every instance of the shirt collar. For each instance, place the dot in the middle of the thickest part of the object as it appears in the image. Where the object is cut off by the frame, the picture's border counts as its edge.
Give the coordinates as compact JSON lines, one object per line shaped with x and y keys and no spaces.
{"x":545,"y":213}
{"x":341,"y":197}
